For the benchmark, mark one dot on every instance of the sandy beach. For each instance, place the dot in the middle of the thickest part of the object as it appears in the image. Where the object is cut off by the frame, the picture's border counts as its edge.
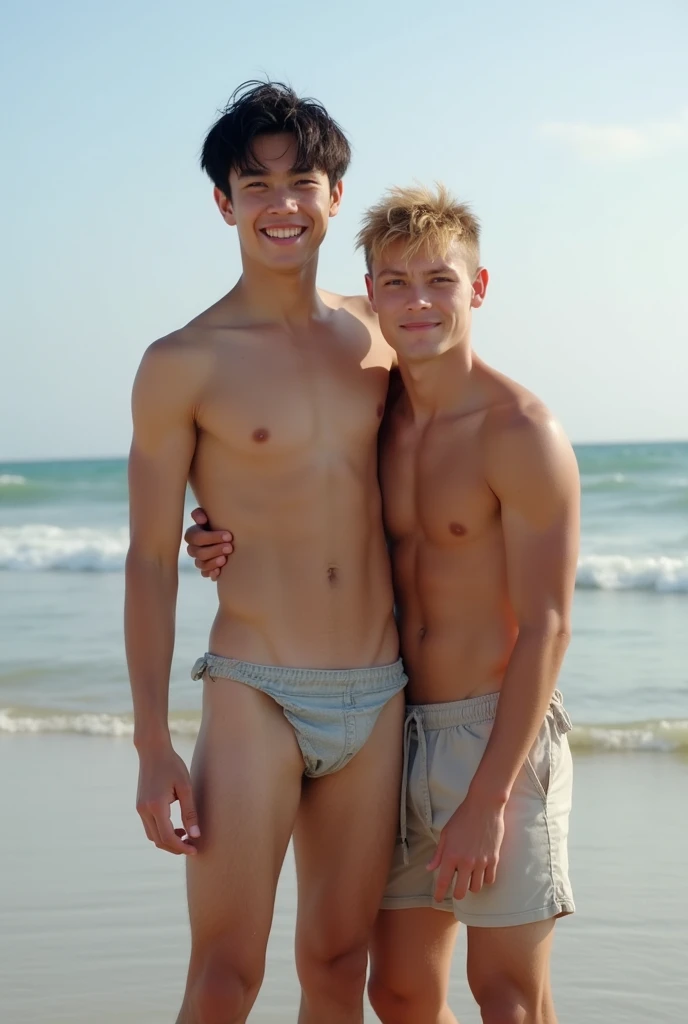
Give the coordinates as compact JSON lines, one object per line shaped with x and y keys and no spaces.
{"x":94,"y":918}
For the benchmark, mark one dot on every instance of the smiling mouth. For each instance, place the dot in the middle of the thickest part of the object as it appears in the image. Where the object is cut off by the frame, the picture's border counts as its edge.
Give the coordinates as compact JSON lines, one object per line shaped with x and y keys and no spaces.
{"x":426,"y":326}
{"x":282,"y":233}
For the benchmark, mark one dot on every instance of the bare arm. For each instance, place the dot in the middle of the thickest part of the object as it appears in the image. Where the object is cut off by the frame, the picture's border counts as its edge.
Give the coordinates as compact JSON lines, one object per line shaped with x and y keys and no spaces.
{"x":161,"y":453}
{"x":533,"y":472}
{"x":535,"y":476}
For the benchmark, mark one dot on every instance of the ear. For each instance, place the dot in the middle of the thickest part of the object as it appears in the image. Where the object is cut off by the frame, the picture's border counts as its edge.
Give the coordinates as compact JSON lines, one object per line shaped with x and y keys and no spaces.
{"x":369,"y":289}
{"x":336,"y":198}
{"x":480,"y":283}
{"x":224,"y":205}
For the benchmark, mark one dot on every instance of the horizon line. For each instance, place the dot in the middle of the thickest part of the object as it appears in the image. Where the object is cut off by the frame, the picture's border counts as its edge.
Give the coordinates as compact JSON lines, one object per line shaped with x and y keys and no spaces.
{"x":17,"y":460}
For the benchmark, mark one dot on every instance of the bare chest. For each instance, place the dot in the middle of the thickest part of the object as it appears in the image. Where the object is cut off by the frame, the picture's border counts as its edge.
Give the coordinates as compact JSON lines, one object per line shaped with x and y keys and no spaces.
{"x":268,"y":401}
{"x":434,"y":487}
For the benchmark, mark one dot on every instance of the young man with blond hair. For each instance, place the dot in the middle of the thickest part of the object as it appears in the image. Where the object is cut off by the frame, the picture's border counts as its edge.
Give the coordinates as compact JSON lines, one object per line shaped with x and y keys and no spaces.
{"x":481,"y":506}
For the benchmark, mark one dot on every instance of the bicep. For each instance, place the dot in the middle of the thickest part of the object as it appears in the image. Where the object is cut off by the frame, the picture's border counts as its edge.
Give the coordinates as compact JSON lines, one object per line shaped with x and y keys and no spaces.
{"x":540,"y":521}
{"x":163,"y":444}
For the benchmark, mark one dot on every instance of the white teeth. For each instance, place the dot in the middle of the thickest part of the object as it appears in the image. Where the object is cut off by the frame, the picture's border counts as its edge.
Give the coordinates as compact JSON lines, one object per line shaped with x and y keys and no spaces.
{"x":283,"y":232}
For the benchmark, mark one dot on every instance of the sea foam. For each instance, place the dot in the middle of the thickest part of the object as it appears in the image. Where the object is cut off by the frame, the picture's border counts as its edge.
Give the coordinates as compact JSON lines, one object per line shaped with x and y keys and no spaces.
{"x":658,"y":736}
{"x":83,"y":549}
{"x":663,"y":573}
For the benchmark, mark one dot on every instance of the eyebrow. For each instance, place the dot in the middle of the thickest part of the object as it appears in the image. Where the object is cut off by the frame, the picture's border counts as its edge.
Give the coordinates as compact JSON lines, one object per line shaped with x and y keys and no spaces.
{"x":264,"y":172}
{"x":403,"y":273}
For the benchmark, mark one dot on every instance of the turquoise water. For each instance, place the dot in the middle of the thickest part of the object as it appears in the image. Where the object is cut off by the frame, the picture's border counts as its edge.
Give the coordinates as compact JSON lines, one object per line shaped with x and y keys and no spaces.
{"x":63,"y":539}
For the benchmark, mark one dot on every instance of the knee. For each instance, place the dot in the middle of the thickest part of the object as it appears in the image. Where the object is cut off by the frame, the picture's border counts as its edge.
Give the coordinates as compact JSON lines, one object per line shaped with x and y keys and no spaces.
{"x":399,"y":1004}
{"x":340,"y":966}
{"x":223,"y":993}
{"x":507,"y":1004}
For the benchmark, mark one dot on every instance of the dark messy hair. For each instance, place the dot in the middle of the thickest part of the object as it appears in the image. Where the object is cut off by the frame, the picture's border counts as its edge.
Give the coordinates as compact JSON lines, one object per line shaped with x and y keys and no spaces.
{"x":269,"y":108}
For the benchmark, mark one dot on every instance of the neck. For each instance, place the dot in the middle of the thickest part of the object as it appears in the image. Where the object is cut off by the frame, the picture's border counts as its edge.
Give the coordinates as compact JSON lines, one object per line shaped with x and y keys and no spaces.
{"x":281,"y":297}
{"x":440,"y":384}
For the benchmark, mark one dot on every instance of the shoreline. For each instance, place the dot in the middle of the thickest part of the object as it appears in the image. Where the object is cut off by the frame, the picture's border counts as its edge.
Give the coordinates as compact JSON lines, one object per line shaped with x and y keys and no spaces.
{"x":95,"y":919}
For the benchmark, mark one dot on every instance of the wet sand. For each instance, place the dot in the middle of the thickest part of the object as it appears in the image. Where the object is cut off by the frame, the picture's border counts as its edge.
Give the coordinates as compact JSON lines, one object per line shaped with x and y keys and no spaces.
{"x":94,"y":919}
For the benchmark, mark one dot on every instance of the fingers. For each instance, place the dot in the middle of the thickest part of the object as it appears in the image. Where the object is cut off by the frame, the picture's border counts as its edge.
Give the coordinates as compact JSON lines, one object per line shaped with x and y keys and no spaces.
{"x":446,"y":872}
{"x":444,"y":879}
{"x":204,"y":554}
{"x":435,"y":862}
{"x":470,"y":875}
{"x":439,"y":853}
{"x":169,"y":840}
{"x":202,"y":539}
{"x":477,"y":880}
{"x":159,"y":830}
{"x":149,"y":827}
{"x":198,"y":515}
{"x":188,"y":809}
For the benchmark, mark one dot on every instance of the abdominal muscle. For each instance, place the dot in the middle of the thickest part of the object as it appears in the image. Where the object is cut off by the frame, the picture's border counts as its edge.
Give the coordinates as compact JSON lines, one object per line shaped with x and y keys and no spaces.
{"x":308,"y":584}
{"x":457,"y":629}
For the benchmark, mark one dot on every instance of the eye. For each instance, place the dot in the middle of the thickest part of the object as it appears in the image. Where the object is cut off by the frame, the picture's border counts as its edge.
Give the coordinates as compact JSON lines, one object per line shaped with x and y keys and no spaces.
{"x":306,"y":181}
{"x":393,"y":282}
{"x":256,"y":184}
{"x":447,"y":280}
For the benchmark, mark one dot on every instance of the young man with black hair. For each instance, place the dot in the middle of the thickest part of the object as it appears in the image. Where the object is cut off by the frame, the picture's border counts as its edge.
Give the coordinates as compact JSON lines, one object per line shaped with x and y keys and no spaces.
{"x":269,"y":403}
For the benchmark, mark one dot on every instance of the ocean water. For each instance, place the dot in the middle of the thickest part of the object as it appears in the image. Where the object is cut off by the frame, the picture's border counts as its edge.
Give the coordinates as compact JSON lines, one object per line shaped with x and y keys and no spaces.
{"x":94,"y":917}
{"x":63,"y":539}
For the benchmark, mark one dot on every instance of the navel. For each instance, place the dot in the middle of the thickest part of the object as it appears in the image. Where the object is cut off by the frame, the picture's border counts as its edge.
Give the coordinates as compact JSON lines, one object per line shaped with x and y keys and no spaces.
{"x":261,"y":434}
{"x":458,"y":529}
{"x":421,"y":632}
{"x":332,"y":574}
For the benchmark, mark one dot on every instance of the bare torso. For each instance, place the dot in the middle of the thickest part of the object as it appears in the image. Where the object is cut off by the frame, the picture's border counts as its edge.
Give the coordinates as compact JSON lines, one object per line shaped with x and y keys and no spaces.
{"x":286,"y":454}
{"x":456,"y":624}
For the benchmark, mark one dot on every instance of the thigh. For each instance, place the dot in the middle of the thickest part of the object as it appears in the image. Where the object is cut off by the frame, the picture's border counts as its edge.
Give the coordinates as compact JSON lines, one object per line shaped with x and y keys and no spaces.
{"x":513,"y":960}
{"x":246,"y":773}
{"x":411,"y":954}
{"x":344,"y":837}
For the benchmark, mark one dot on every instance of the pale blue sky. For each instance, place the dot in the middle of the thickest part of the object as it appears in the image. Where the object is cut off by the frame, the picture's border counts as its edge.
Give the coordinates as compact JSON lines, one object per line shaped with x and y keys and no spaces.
{"x":565,"y":125}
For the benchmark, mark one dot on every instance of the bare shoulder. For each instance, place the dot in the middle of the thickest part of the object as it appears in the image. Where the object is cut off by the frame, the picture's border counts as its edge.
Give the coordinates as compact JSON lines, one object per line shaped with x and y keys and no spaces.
{"x":174,"y":368}
{"x":527,"y":452}
{"x":359,"y":307}
{"x":356,"y":304}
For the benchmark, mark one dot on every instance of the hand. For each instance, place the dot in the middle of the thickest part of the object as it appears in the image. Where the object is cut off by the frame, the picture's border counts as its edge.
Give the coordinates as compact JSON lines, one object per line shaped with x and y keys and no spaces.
{"x":468,"y":848}
{"x":164,"y":778}
{"x":208,"y":548}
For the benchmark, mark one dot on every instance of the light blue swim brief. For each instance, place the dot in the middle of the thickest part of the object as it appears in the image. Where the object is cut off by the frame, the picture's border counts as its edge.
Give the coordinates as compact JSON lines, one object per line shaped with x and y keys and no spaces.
{"x":332,"y":711}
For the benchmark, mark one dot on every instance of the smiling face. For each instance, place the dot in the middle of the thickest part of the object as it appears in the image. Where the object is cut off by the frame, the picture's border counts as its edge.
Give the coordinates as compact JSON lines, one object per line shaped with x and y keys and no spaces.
{"x":281,"y":212}
{"x":423,"y":301}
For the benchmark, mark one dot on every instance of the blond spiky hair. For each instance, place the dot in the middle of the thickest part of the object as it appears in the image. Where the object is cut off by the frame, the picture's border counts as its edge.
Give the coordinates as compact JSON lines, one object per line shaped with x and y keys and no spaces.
{"x":420,"y":217}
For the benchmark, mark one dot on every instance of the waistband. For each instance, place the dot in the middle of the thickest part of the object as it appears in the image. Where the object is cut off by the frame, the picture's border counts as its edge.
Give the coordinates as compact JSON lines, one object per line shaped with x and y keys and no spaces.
{"x":306,"y":680}
{"x":474,"y":710}
{"x":429,"y":717}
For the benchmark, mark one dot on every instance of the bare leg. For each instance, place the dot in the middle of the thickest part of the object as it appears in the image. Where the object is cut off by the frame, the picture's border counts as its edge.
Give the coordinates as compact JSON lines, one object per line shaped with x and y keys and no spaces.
{"x":247,"y":772}
{"x":508,"y":971}
{"x":411,"y":954}
{"x":343,"y":843}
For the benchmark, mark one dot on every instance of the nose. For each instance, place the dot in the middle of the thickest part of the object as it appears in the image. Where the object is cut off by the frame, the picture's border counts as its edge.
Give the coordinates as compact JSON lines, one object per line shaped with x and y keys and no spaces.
{"x":282,"y":201}
{"x":417,"y":299}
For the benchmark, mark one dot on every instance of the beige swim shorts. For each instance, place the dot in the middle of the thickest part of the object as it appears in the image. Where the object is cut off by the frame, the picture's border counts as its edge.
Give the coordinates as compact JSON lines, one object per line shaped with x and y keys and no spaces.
{"x":443,"y":745}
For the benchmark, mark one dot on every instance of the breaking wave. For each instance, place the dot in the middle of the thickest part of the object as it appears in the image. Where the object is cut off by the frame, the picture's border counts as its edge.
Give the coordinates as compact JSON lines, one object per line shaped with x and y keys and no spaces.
{"x":659,"y":736}
{"x":83,"y":549}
